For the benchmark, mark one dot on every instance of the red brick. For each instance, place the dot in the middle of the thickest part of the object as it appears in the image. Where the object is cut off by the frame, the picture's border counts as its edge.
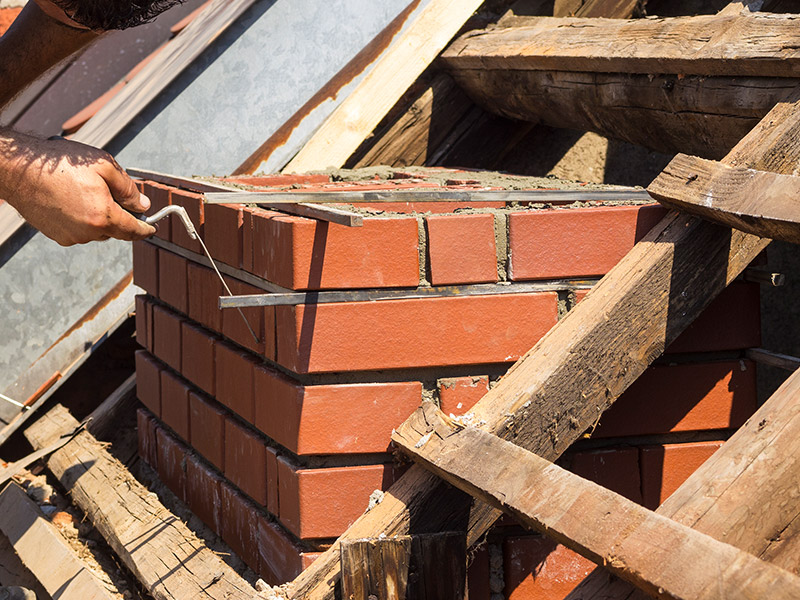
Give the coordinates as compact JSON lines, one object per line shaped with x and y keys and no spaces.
{"x":145,"y":267}
{"x":461,"y":249}
{"x":148,"y":381}
{"x":197,"y":356}
{"x":193,"y":203}
{"x":239,"y":525}
{"x":731,"y":322}
{"x":172,"y":284}
{"x":223,"y":233}
{"x":426,"y":332}
{"x":479,"y":575}
{"x":172,"y":456}
{"x":175,"y":404}
{"x":235,"y":380}
{"x":457,"y":395}
{"x":247,"y":238}
{"x":146,"y":430}
{"x":614,"y":468}
{"x":280,"y":558}
{"x":167,"y":336}
{"x":689,"y":397}
{"x":142,"y":322}
{"x":299,"y":417}
{"x":246,"y":461}
{"x":575,"y":242}
{"x":323,"y":503}
{"x":261,"y":319}
{"x":273,"y":495}
{"x":305,"y":254}
{"x":538,"y":568}
{"x":205,"y":289}
{"x":203,"y":492}
{"x":665,"y":467}
{"x":160,"y":196}
{"x":207,"y":429}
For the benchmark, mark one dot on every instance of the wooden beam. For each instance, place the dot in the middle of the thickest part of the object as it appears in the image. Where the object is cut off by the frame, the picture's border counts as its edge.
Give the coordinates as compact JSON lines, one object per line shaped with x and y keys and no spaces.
{"x":166,"y":557}
{"x":104,"y":417}
{"x":358,"y":116}
{"x":595,"y":8}
{"x":705,"y":116}
{"x":757,"y":202}
{"x":376,"y":568}
{"x":562,"y":386}
{"x":773,"y":359}
{"x":658,"y":555}
{"x":743,"y":495}
{"x":757,"y":45}
{"x":44,"y":551}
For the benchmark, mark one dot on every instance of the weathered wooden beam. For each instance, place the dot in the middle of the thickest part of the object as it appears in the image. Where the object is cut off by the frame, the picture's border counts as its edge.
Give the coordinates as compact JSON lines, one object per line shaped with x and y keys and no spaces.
{"x":758,"y":202}
{"x":773,"y":359}
{"x":743,"y":495}
{"x":705,"y":116}
{"x":44,"y":551}
{"x":594,"y":8}
{"x":160,"y":550}
{"x":376,"y":568}
{"x":661,"y":557}
{"x":755,"y":45}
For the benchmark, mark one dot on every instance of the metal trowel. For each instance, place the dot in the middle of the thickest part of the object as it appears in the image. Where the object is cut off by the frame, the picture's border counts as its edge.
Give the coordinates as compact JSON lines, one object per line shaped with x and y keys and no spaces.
{"x":181,"y":213}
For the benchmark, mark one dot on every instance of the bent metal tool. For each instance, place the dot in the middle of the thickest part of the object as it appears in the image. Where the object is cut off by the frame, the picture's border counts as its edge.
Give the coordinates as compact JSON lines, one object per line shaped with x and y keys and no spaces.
{"x":180,"y":212}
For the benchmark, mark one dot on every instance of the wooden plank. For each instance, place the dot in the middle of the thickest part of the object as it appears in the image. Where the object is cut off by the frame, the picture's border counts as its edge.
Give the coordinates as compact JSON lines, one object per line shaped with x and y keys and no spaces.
{"x":757,"y":202}
{"x":44,"y":551}
{"x":595,"y":8}
{"x":773,"y":359}
{"x":320,"y":213}
{"x":561,"y":387}
{"x":438,"y":566}
{"x":756,"y":45}
{"x":705,"y":116}
{"x":164,"y":555}
{"x":14,"y":573}
{"x":161,"y":71}
{"x":376,"y":569}
{"x":658,"y":555}
{"x":743,"y":495}
{"x":357,"y":117}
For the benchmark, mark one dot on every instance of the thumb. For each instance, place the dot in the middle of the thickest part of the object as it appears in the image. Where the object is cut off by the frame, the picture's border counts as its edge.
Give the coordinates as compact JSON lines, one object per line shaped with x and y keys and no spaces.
{"x":124,"y":190}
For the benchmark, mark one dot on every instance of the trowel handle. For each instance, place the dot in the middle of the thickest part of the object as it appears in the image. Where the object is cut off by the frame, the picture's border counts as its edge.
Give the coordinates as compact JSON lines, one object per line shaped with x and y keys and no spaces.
{"x":171,"y":210}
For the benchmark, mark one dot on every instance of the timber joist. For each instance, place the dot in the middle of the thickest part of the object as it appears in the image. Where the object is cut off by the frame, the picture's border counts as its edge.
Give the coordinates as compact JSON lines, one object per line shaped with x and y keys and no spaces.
{"x":685,"y":84}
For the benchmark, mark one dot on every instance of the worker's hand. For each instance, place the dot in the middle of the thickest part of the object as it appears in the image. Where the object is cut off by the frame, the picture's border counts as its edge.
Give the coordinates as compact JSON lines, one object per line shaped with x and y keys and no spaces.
{"x":71,"y":192}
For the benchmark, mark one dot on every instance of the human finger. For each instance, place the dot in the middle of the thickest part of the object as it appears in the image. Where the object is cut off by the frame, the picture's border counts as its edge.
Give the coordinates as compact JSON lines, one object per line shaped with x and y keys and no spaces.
{"x":123,"y":189}
{"x":123,"y":225}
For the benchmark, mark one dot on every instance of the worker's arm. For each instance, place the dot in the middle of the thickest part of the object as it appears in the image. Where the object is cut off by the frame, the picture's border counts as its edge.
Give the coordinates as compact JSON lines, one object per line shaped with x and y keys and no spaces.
{"x":71,"y":192}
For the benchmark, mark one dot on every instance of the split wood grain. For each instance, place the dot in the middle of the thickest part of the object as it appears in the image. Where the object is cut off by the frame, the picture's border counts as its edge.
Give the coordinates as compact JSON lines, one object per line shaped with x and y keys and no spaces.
{"x":376,"y":569}
{"x":756,"y":45}
{"x":360,"y":113}
{"x":744,"y":495}
{"x":595,"y":8}
{"x":163,"y":554}
{"x":161,"y":71}
{"x":758,"y":202}
{"x":658,"y":555}
{"x":704,"y":116}
{"x":44,"y":551}
{"x":577,"y":370}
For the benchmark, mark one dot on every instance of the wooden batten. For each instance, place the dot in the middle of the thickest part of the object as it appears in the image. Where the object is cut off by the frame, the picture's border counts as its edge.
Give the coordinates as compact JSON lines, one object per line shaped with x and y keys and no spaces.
{"x":758,"y":202}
